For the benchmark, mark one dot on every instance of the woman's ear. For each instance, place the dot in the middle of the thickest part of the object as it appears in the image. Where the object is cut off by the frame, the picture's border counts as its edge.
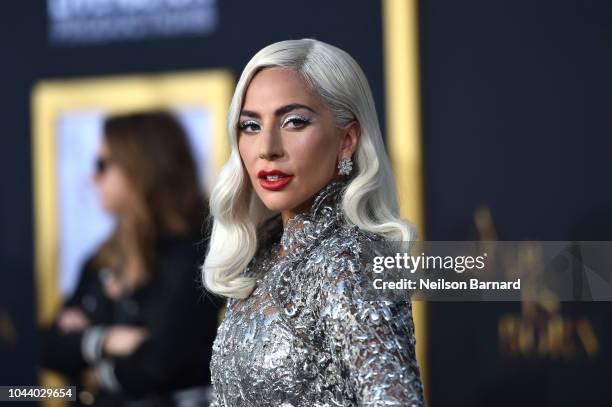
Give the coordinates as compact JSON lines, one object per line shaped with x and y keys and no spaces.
{"x":349,"y":139}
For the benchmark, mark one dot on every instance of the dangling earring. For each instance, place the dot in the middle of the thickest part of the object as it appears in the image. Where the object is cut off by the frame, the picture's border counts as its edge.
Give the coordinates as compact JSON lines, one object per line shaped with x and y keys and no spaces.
{"x":345,"y":166}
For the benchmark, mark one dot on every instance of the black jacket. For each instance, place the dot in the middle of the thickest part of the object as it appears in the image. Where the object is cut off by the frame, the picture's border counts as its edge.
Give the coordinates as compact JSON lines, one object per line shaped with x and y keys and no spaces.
{"x":179,"y":314}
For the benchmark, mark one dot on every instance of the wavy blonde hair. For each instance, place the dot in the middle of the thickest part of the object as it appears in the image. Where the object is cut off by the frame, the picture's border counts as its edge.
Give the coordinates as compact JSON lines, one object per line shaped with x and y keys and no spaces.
{"x":370,"y":199}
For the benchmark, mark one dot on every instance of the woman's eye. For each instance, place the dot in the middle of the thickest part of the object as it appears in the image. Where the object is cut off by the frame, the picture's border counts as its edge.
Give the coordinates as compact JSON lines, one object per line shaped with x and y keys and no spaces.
{"x":296,"y":122}
{"x":249,"y":126}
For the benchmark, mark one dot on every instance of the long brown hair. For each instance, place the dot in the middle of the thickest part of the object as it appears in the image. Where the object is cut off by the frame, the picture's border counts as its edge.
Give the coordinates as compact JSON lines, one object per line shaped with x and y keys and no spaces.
{"x":153,"y":150}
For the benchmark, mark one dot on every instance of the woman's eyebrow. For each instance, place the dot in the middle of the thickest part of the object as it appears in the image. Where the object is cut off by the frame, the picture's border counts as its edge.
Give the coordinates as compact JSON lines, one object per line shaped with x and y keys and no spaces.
{"x":278,"y":112}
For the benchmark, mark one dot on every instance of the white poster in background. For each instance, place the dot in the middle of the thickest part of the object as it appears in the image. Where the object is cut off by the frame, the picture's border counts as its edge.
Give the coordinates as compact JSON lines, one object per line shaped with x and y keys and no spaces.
{"x":83,"y":224}
{"x":102,"y":21}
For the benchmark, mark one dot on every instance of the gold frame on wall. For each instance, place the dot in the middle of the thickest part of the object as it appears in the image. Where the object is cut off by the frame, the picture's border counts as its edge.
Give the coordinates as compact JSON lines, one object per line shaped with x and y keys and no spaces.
{"x":211,"y":89}
{"x":403,"y":119}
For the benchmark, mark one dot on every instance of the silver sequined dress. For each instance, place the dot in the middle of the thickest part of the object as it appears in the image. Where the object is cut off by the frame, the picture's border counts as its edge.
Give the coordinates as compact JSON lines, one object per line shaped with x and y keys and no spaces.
{"x":306,"y":337}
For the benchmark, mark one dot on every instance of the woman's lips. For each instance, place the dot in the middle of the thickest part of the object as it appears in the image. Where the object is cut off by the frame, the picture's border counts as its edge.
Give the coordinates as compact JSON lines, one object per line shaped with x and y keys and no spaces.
{"x":273,"y":180}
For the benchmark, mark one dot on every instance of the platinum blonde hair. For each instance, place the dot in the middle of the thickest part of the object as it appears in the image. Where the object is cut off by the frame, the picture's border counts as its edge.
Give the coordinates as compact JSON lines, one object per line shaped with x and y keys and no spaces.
{"x":370,"y":199}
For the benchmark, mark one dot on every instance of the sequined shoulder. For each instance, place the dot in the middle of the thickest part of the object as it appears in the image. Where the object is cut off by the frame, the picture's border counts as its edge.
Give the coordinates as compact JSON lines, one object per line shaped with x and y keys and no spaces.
{"x":371,"y":339}
{"x":350,"y":249}
{"x":300,"y":284}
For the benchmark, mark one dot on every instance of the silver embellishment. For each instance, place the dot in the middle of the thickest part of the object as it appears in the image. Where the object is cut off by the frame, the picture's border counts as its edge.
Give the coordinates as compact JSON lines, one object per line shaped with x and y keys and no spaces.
{"x":345,"y":166}
{"x":306,"y":337}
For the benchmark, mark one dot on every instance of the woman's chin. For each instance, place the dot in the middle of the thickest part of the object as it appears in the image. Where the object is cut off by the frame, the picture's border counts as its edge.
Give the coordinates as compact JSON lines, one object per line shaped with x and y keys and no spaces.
{"x":276,"y":207}
{"x":110,"y":208}
{"x":276,"y":202}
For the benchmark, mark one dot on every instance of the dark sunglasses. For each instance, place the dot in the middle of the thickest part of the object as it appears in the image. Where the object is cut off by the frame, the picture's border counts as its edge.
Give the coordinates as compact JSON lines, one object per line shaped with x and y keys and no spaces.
{"x":101,"y":164}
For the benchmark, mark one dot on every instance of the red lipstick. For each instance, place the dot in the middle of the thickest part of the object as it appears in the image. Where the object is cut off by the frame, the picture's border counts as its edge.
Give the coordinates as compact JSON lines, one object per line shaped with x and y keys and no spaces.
{"x":273,"y":180}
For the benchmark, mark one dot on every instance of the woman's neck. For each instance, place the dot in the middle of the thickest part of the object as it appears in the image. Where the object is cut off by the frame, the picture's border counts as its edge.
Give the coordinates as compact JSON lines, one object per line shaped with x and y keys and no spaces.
{"x":306,"y":205}
{"x":290,"y":213}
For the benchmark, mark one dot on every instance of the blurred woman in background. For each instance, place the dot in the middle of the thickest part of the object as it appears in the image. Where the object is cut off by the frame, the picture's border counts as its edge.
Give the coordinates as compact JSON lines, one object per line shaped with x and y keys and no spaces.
{"x":137,"y":328}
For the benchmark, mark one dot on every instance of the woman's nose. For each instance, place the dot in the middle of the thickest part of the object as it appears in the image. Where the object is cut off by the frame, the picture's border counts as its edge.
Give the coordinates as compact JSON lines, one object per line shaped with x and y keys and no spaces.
{"x":270,"y":146}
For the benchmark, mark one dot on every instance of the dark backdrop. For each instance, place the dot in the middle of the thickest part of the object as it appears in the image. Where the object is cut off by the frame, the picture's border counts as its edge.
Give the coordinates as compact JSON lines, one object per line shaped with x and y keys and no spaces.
{"x":516,"y":116}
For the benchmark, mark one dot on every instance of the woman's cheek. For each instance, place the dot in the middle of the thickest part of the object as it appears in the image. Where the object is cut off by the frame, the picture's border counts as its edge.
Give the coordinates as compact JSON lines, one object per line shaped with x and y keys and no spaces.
{"x":247,"y":154}
{"x":314,"y":153}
